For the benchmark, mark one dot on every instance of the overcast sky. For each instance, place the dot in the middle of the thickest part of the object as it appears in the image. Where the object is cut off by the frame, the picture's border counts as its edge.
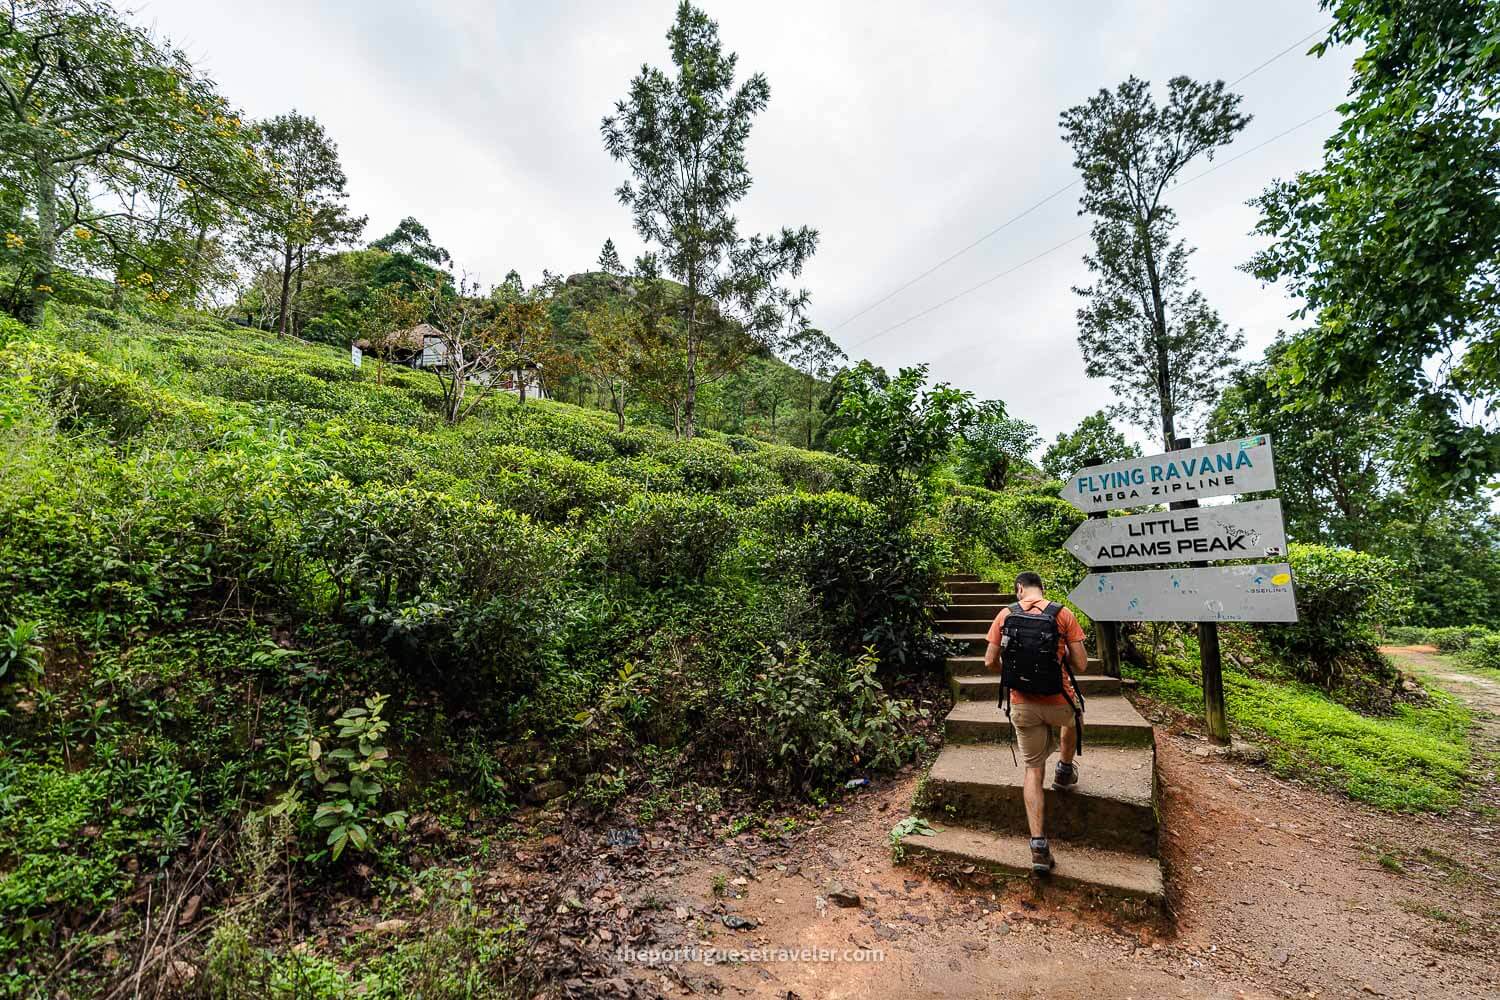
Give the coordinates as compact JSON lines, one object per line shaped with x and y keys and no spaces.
{"x":901,"y":132}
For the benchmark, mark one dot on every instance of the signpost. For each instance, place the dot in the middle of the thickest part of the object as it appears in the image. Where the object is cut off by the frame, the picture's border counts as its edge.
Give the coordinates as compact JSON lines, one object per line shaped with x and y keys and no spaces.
{"x":1186,"y":532}
{"x":1244,"y":592}
{"x":1250,"y":530}
{"x":1214,"y":470}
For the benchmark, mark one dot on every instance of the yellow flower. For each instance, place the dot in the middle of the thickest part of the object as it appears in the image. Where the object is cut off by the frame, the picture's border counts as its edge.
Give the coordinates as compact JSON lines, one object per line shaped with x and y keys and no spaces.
{"x":44,"y":288}
{"x":14,"y":241}
{"x":83,"y":234}
{"x":143,"y":278}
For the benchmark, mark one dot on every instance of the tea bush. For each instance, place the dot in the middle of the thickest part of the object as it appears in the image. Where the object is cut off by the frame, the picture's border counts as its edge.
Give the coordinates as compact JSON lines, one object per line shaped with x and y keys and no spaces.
{"x":1343,"y":596}
{"x":656,"y":540}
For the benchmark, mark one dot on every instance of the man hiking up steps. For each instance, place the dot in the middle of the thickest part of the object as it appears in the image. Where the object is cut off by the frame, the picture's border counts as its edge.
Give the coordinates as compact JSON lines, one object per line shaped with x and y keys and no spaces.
{"x":1033,"y":644}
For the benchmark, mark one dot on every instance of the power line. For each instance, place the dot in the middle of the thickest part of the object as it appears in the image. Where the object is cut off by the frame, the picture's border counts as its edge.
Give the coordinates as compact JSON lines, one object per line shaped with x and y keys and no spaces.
{"x":1078,"y":236}
{"x":1022,"y":214}
{"x":956,"y":254}
{"x":1310,"y":34}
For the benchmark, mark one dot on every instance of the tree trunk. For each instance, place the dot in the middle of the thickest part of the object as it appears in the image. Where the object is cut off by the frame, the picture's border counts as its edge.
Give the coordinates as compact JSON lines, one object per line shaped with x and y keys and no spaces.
{"x":286,"y":288}
{"x":617,"y":398}
{"x":690,"y":387}
{"x":811,"y":386}
{"x":297,"y":291}
{"x":46,"y":226}
{"x":117,"y":293}
{"x":1159,"y":334}
{"x":521,"y":384}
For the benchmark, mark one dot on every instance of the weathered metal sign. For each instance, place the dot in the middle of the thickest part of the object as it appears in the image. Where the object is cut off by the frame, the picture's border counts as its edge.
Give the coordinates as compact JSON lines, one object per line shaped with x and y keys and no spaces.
{"x":1213,"y":470}
{"x":1243,"y":593}
{"x":1251,"y":530}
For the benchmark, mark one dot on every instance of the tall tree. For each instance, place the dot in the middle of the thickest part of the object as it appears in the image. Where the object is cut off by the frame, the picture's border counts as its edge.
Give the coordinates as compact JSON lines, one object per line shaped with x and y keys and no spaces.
{"x":523,"y":328}
{"x":1333,"y":459}
{"x":412,"y":239}
{"x":1394,"y":242}
{"x":302,"y":214}
{"x":897,"y":423}
{"x":683,"y":138}
{"x":470,"y":352}
{"x":813,"y":353}
{"x":609,"y":259}
{"x":1094,"y":437}
{"x":612,"y":354}
{"x":1142,"y":326}
{"x":92,"y":107}
{"x":991,"y":445}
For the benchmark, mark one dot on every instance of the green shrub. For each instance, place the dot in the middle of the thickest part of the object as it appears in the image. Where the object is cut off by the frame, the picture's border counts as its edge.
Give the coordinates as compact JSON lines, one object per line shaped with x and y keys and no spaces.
{"x":1484,"y":651}
{"x":1343,"y":596}
{"x":86,"y":395}
{"x":1043,"y":521}
{"x":872,"y":571}
{"x":966,"y":521}
{"x":553,"y":487}
{"x":664,"y":539}
{"x":1455,"y":638}
{"x":458,"y":591}
{"x":814,"y":472}
{"x":810,"y":720}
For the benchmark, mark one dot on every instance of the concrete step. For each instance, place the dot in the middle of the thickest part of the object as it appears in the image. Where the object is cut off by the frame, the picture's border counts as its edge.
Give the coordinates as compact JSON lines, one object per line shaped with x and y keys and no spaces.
{"x":968,"y":612}
{"x":971,"y":643}
{"x":1111,"y":807}
{"x":991,"y":596}
{"x":1117,"y":873}
{"x":986,"y":687}
{"x":973,"y":663}
{"x":1108,"y":720}
{"x":973,"y":587}
{"x":961,"y":578}
{"x":956,"y":626}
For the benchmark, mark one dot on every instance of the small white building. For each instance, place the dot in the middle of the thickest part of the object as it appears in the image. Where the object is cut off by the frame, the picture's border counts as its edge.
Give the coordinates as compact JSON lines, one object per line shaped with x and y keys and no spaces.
{"x":425,"y":346}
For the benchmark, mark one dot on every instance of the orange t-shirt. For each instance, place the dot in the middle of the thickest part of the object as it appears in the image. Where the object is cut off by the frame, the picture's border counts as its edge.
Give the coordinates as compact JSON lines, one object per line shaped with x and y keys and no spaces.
{"x":1068,"y":630}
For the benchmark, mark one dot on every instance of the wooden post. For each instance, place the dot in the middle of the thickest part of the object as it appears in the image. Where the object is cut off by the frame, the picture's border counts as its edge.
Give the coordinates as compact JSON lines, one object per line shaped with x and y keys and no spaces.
{"x":1108,"y":632}
{"x":1214,"y":715}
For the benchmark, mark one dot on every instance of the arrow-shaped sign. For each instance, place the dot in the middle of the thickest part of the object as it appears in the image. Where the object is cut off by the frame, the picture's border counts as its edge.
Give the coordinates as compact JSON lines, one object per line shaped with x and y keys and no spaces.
{"x":1251,"y":530}
{"x":1214,"y":470}
{"x":1242,"y":593}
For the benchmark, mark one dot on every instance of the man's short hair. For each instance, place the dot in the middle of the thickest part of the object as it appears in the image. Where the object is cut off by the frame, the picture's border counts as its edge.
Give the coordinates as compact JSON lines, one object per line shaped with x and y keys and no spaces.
{"x":1028,"y":580}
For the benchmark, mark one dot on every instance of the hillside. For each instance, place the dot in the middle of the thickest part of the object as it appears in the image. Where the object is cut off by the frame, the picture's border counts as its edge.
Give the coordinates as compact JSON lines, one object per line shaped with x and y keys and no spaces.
{"x":214,"y":542}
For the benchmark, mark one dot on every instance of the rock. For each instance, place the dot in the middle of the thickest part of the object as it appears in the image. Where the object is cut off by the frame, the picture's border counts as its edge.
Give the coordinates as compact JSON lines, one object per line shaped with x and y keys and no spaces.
{"x":735,"y":922}
{"x":1280,"y":958}
{"x":180,"y":973}
{"x":1233,"y":782}
{"x":1201,"y":751}
{"x":395,"y":925}
{"x":840,"y":896}
{"x":190,"y":911}
{"x":1248,"y":753}
{"x":546,"y":791}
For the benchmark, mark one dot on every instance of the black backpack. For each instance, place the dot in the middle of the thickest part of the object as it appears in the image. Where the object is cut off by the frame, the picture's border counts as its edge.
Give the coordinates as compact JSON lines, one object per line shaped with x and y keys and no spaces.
{"x":1028,"y":651}
{"x":1030,"y":662}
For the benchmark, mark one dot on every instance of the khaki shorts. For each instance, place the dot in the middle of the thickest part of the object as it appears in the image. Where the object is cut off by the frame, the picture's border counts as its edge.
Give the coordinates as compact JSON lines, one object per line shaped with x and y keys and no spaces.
{"x":1037,"y":728}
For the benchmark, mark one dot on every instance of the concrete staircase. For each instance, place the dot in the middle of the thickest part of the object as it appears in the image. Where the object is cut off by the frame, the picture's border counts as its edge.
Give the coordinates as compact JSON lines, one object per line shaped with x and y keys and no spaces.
{"x":1103,"y":830}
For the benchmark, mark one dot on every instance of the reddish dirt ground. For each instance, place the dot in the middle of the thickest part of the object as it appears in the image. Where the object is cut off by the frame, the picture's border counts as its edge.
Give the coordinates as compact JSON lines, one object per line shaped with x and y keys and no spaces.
{"x":1276,"y":890}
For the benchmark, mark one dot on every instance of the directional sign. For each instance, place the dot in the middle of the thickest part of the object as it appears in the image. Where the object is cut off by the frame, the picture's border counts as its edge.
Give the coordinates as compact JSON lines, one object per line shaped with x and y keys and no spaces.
{"x":1242,"y":593}
{"x":1213,"y":470}
{"x":1250,"y":530}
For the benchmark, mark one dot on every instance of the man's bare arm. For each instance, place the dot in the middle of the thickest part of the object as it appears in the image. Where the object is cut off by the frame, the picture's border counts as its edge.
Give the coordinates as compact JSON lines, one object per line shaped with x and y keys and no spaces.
{"x":1078,"y":657}
{"x":992,"y":659}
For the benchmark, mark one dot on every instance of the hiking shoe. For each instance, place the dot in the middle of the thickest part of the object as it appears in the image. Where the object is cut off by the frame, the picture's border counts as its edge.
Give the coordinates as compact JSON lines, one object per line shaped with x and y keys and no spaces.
{"x":1042,"y":861}
{"x":1066,"y":776}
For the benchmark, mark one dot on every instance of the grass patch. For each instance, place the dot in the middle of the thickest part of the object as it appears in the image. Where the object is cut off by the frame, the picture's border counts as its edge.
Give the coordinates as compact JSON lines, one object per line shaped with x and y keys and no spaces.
{"x":1411,"y":761}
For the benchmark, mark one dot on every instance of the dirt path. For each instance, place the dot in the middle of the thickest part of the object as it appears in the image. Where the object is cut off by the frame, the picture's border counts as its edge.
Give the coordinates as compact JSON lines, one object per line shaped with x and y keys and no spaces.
{"x":1276,"y":890}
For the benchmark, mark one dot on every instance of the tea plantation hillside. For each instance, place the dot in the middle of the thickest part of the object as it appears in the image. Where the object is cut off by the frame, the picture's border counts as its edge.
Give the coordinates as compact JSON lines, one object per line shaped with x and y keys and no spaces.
{"x":214,"y":543}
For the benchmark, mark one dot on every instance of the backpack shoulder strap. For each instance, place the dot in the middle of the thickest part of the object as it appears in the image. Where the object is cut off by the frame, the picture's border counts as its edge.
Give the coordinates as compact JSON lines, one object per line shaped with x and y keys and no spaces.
{"x":1052,"y":610}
